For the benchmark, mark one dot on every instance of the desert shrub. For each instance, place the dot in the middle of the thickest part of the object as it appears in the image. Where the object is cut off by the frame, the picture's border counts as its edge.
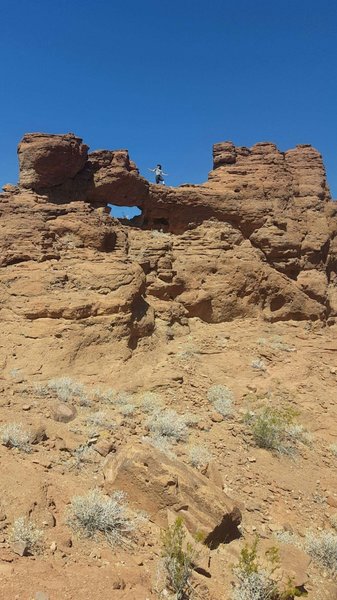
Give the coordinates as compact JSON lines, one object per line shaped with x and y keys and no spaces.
{"x":14,"y":373}
{"x":65,"y":389}
{"x":14,"y":435}
{"x":178,"y":558}
{"x":99,"y":419}
{"x":127,"y":409}
{"x":333,"y":449}
{"x":150,"y":402}
{"x":26,"y":532}
{"x":322,"y":547}
{"x":106,"y":396}
{"x":222,"y":399}
{"x":95,"y":514}
{"x":333,"y":521}
{"x":82,"y":456}
{"x":219,"y":392}
{"x":191,"y":419}
{"x":169,"y":424}
{"x":198,"y":456}
{"x":274,"y":429}
{"x":255,"y":582}
{"x":255,"y":586}
{"x":285,"y":537}
{"x":122,"y":398}
{"x":258,"y":365}
{"x":161,"y":443}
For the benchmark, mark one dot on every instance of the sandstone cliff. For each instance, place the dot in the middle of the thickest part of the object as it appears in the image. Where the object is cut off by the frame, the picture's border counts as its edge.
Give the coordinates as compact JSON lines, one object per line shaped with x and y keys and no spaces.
{"x":256,"y":240}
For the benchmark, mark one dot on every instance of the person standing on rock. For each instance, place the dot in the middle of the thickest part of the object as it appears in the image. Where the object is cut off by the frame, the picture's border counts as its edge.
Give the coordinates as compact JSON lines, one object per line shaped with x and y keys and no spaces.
{"x":159,"y":173}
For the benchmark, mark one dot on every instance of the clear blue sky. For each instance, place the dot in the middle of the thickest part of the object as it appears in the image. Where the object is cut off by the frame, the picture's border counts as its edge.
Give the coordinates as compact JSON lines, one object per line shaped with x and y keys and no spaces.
{"x":167,"y":79}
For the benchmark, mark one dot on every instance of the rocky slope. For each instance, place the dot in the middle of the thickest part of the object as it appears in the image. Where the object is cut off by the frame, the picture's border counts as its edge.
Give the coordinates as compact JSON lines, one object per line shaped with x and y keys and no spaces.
{"x":232,"y":283}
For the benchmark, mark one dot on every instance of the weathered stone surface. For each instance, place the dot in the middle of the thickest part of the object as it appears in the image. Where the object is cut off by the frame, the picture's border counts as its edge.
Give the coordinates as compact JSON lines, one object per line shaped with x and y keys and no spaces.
{"x":20,"y":548}
{"x":47,"y":160}
{"x":258,"y":239}
{"x":38,"y":434}
{"x":155,"y":483}
{"x":104,"y":447}
{"x":64,"y":413}
{"x":60,"y":167}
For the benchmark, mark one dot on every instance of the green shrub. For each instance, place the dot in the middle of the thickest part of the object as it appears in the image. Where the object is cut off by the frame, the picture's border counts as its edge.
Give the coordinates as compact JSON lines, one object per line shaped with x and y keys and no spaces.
{"x":178,"y":559}
{"x":274,"y":429}
{"x":255,"y":582}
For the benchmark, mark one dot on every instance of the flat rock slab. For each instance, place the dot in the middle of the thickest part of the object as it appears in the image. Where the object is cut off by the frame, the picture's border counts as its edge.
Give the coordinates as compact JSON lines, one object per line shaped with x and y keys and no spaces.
{"x":154,"y":483}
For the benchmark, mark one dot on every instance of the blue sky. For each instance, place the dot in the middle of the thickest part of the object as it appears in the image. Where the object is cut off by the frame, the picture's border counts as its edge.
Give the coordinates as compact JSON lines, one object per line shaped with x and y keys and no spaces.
{"x":167,"y":79}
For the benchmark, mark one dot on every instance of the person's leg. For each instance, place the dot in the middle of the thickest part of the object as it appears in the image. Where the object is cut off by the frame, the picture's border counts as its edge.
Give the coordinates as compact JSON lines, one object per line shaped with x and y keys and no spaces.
{"x":157,"y":178}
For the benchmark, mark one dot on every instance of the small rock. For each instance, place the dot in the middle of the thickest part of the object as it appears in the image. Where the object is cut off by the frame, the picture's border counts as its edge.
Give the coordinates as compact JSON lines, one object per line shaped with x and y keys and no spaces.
{"x":64,"y":413}
{"x":332,"y":501}
{"x":66,"y":542}
{"x":3,"y":515}
{"x":26,"y":407}
{"x":6,"y":555}
{"x":119,"y":584}
{"x":216,"y":418}
{"x":251,"y":459}
{"x":104,"y":447}
{"x":20,"y":548}
{"x":38,"y":435}
{"x":53,"y":547}
{"x":251,"y":388}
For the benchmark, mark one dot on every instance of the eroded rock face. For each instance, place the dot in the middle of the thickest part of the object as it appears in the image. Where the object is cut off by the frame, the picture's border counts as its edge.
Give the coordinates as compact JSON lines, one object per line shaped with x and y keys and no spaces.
{"x":66,"y":284}
{"x":49,"y":160}
{"x":59,"y":166}
{"x":258,"y":239}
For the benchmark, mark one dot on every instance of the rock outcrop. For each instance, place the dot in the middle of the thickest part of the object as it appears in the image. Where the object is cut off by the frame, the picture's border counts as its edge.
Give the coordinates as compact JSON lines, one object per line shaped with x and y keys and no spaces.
{"x":258,"y":239}
{"x":155,"y":483}
{"x":60,"y":167}
{"x":50,"y":160}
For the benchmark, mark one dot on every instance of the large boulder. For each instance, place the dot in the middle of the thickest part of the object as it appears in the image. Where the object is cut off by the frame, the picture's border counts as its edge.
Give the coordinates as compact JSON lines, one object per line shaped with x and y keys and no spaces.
{"x":156,"y":483}
{"x":47,"y":160}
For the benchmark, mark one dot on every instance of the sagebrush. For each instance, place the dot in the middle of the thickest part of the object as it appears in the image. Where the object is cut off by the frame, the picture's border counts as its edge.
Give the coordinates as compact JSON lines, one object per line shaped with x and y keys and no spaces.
{"x":322,"y":547}
{"x":169,"y":424}
{"x":14,"y":435}
{"x":26,"y":532}
{"x":95,"y":514}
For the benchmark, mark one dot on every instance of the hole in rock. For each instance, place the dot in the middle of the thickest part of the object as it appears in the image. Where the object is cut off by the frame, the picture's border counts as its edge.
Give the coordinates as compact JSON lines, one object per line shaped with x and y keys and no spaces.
{"x":125,"y":213}
{"x":160,"y":221}
{"x":277,"y":303}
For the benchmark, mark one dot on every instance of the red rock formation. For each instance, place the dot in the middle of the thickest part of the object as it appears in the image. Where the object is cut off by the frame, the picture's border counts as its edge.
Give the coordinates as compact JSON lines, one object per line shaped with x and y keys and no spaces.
{"x":256,"y":240}
{"x":48,"y":160}
{"x":59,"y":166}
